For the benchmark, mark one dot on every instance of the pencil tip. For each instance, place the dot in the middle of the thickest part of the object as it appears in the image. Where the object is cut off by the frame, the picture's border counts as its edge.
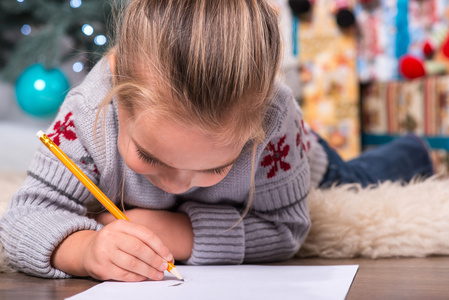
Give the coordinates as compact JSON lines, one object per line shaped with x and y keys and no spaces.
{"x":175,"y":272}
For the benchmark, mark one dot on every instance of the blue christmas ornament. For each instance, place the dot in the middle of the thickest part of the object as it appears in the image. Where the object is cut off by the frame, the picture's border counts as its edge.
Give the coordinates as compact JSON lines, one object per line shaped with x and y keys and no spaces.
{"x":39,"y":91}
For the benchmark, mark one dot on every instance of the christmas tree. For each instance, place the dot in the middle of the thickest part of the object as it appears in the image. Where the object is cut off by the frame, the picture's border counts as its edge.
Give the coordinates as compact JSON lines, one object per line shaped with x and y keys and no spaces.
{"x":33,"y":31}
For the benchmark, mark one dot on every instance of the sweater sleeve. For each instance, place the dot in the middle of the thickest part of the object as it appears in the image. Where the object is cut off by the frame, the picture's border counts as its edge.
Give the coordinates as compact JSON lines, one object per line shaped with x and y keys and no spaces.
{"x":278,"y":221}
{"x":50,"y":205}
{"x":272,"y":231}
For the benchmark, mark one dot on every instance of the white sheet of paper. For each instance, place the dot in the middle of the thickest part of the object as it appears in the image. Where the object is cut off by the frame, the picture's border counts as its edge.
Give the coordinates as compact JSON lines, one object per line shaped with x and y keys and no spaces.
{"x":234,"y":282}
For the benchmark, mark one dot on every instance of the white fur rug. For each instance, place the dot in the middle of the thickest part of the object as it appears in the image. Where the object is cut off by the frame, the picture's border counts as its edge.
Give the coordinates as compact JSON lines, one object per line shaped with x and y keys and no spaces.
{"x":390,"y":220}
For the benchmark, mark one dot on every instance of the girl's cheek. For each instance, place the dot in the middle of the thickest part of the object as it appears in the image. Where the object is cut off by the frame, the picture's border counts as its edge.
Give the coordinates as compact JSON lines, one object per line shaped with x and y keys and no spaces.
{"x":133,"y":161}
{"x":206,"y":180}
{"x":138,"y":166}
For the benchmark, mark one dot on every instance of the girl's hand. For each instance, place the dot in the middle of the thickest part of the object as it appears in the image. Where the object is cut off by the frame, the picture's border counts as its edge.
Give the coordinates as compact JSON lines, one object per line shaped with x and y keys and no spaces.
{"x":174,"y":229}
{"x":106,"y":217}
{"x":122,"y":251}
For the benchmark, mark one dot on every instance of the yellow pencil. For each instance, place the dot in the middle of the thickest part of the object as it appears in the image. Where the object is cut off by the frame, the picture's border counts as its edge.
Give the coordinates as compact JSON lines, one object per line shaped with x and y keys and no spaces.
{"x":104,"y":200}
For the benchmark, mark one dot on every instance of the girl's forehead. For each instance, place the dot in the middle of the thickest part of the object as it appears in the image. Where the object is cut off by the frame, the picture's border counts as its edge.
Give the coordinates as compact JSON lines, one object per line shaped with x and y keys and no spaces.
{"x":223,"y":135}
{"x":164,"y":131}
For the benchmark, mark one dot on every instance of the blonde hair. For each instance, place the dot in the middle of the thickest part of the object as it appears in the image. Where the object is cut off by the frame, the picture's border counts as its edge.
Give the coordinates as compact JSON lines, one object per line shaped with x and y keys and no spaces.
{"x":208,"y":63}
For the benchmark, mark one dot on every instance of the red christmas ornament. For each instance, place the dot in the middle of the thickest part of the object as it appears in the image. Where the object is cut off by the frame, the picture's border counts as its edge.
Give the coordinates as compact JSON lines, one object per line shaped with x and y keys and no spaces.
{"x":437,"y":38}
{"x":446,"y":47}
{"x":411,"y":67}
{"x":428,"y":49}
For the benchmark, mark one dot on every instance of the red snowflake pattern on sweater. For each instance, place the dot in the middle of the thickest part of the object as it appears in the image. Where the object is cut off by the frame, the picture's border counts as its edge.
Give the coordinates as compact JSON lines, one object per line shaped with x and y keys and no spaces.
{"x":298,"y":135}
{"x":299,"y":140}
{"x":305,"y":147}
{"x":88,"y":161}
{"x":63,"y":129}
{"x":275,"y":159}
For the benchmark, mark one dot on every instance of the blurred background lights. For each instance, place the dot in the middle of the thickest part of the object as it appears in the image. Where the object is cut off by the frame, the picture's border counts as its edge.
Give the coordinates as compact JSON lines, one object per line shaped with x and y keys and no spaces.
{"x":39,"y":85}
{"x":87,"y":29}
{"x":75,"y":3}
{"x":20,"y":1}
{"x":78,"y":67}
{"x":100,"y":40}
{"x":26,"y":29}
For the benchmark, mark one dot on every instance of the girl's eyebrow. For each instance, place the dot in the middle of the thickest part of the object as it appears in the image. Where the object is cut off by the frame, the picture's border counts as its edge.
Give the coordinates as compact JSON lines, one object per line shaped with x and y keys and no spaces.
{"x":144,"y":152}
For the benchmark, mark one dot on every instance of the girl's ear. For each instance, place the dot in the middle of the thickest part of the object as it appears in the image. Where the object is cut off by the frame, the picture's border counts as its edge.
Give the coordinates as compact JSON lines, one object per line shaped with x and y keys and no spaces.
{"x":112,"y":62}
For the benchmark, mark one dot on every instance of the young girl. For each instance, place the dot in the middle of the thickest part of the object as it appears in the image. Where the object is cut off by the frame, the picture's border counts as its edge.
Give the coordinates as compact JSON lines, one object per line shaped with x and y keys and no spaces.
{"x":184,"y":123}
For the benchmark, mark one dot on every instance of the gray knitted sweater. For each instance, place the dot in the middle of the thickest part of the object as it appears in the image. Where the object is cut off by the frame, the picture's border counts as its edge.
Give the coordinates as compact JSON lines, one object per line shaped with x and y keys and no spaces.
{"x":51,"y":203}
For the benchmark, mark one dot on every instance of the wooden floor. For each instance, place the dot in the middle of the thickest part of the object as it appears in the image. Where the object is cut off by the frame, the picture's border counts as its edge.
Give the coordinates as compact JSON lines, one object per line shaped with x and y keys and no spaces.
{"x":407,"y":278}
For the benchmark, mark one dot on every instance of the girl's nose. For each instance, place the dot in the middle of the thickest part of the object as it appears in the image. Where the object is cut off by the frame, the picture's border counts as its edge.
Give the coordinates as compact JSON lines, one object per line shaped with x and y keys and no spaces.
{"x":177,"y":181}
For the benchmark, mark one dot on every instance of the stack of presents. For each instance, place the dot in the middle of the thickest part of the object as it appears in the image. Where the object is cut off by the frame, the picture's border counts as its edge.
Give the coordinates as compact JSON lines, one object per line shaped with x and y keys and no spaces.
{"x":371,"y":70}
{"x":403,"y":74}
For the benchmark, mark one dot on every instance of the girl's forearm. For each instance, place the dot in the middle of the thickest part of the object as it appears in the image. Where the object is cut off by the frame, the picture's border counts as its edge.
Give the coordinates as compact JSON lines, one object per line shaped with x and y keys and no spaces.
{"x":177,"y":229}
{"x":174,"y":229}
{"x":68,"y":256}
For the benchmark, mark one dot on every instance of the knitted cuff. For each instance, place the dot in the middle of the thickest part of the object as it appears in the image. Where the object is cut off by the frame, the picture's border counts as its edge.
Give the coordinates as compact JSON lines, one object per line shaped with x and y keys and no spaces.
{"x":34,"y":248}
{"x":218,"y":238}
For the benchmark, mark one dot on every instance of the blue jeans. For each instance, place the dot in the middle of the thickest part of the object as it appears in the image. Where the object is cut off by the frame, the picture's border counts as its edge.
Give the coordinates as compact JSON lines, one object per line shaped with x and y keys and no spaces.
{"x":400,"y":160}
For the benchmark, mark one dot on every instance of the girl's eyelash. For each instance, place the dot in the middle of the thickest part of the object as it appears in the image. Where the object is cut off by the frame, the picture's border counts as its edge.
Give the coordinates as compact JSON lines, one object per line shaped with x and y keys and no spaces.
{"x":221,"y":171}
{"x":152,"y":161}
{"x":145,"y":158}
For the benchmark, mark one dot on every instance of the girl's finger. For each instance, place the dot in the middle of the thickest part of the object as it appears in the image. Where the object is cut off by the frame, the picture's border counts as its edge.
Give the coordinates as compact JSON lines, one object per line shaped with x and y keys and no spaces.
{"x":105,"y":218}
{"x":135,"y":266}
{"x":146,"y":236}
{"x":137,"y":249}
{"x":115,"y":272}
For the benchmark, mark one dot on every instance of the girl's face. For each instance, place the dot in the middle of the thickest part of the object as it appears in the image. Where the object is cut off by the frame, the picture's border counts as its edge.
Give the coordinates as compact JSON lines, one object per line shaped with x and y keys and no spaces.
{"x":172,"y":157}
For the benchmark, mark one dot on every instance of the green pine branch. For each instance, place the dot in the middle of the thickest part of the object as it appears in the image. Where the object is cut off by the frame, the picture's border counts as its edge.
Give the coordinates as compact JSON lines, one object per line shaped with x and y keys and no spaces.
{"x":50,"y":21}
